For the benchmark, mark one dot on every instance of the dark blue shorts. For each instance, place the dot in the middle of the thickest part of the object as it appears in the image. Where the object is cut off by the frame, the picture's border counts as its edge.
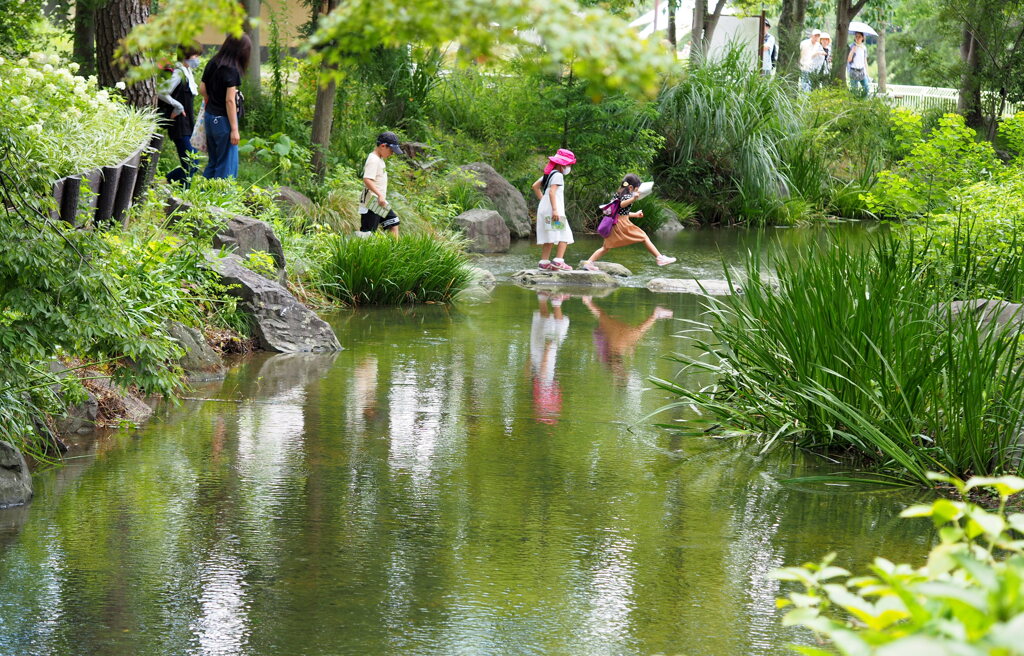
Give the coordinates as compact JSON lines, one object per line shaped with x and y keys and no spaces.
{"x":370,"y":222}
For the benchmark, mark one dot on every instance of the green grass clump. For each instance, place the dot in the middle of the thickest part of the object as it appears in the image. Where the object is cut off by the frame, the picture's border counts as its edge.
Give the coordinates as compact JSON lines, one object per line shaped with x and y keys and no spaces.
{"x":383,"y":270}
{"x":856,"y":354}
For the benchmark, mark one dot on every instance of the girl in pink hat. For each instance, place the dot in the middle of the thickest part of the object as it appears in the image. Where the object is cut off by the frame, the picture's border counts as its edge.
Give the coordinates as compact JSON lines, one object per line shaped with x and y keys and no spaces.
{"x":552,"y":225}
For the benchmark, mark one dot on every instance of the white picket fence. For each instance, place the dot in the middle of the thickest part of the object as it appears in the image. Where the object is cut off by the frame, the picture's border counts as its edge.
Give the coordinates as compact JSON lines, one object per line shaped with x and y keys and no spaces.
{"x":924,"y":98}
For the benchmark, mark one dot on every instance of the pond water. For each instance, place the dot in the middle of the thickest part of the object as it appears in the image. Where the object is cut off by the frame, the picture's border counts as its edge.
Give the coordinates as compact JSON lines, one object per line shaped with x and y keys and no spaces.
{"x":478,"y":479}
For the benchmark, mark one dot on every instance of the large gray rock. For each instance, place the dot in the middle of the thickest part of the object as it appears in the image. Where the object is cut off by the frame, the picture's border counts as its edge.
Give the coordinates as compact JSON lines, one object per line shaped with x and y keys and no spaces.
{"x":15,"y":478}
{"x":200,"y":362}
{"x":575,"y":278}
{"x":507,"y":199}
{"x":671,"y":226}
{"x":990,"y":312}
{"x":689,"y":286}
{"x":78,"y":418}
{"x":486,"y":231}
{"x":288,"y":199}
{"x":247,"y":235}
{"x":612,"y":268}
{"x":280,"y":323}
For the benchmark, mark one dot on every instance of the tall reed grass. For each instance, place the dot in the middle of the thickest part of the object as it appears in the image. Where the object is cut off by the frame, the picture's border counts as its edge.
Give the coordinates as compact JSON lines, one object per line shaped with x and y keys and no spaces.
{"x":383,"y":270}
{"x":857,"y":355}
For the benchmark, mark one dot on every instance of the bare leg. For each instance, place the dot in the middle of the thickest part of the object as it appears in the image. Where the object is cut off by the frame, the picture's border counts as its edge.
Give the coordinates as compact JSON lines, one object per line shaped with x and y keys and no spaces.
{"x":561,"y":249}
{"x":393,"y":230}
{"x":598,"y":254}
{"x":650,"y":247}
{"x":545,"y":251}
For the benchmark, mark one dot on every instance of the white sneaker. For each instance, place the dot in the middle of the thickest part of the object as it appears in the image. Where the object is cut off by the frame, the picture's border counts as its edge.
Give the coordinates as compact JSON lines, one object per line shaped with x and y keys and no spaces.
{"x":662,"y":260}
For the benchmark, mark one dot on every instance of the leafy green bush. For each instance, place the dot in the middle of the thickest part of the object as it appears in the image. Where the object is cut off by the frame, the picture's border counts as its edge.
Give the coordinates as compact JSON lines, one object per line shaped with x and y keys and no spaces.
{"x":382,"y":270}
{"x":60,"y":297}
{"x":967,"y":599}
{"x":858,"y":355}
{"x":71,"y":125}
{"x":934,"y":171}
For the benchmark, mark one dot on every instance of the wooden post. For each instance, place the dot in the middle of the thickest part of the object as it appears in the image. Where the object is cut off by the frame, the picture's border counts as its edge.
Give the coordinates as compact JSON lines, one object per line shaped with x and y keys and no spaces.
{"x":760,"y":42}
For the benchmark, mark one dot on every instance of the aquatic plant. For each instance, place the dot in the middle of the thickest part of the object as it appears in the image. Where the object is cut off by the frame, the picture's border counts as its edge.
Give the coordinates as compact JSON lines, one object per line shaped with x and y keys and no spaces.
{"x":857,"y":355}
{"x":967,"y":599}
{"x":382,"y":270}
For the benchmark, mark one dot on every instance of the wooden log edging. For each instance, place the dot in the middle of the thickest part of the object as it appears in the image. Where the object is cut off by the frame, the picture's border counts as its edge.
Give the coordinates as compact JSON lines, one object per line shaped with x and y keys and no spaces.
{"x":111,"y":189}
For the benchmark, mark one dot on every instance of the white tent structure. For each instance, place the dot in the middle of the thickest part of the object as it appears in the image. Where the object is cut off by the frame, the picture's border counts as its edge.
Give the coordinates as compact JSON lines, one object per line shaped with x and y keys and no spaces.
{"x":730,"y":28}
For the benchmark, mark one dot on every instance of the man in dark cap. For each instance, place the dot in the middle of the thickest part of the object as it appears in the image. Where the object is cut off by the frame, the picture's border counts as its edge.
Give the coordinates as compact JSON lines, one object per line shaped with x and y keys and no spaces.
{"x":769,"y":51}
{"x":374,"y":209}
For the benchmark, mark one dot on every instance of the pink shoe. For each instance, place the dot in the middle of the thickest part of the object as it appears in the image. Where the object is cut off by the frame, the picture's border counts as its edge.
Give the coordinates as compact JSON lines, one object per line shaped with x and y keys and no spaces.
{"x":590,"y":266}
{"x":561,"y":266}
{"x":662,"y":260}
{"x":545,"y":266}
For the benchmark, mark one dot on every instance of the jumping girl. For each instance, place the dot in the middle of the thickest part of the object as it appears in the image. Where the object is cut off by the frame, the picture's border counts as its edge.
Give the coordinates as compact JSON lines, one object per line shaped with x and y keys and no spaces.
{"x":552,"y":225}
{"x":624,"y":232}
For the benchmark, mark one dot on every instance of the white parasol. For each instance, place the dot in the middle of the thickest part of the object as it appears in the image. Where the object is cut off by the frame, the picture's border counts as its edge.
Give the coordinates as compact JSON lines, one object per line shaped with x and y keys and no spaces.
{"x":863,"y":28}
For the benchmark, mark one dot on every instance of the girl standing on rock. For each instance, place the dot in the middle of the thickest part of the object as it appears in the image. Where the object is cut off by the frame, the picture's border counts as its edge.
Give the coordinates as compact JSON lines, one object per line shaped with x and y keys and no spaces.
{"x":552,"y":225}
{"x":624,"y":232}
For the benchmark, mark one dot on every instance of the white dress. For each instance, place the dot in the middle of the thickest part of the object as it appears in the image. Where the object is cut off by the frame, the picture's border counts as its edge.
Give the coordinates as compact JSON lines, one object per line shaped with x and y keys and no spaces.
{"x":546,"y":234}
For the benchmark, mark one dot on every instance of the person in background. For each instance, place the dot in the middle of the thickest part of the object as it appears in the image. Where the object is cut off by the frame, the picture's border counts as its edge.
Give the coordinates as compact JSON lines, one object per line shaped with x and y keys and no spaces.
{"x":769,"y":51}
{"x":176,"y":104}
{"x":857,"y":62}
{"x":810,"y":50}
{"x":374,"y":209}
{"x":625,"y":232}
{"x":219,"y":88}
{"x":552,"y":224}
{"x":826,"y":46}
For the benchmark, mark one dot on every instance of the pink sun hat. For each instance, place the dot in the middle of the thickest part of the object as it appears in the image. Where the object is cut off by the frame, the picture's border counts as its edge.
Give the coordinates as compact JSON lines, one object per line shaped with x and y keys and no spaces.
{"x":562,"y":158}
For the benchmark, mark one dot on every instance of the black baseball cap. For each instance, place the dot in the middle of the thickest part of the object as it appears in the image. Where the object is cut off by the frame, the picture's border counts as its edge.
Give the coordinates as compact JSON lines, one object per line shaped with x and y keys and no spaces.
{"x":389,"y":139}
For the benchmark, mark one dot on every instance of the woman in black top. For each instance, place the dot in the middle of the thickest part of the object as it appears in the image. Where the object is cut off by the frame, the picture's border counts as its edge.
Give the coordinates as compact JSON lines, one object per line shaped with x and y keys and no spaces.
{"x":176,"y":101}
{"x":221,"y":79}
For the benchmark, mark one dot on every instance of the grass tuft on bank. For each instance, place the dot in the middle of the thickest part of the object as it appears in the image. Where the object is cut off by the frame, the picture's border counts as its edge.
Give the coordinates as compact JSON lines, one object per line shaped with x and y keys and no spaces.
{"x":855,"y":354}
{"x":382,"y":270}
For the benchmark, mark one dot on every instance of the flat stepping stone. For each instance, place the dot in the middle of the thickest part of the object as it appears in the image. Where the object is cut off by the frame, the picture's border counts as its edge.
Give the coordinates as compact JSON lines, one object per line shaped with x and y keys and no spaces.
{"x":690,"y":286}
{"x":611,"y":268}
{"x":574,"y":278}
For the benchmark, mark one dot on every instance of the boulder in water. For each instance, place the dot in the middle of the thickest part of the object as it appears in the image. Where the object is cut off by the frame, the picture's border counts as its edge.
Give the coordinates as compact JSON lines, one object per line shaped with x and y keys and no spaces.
{"x":690,"y":286}
{"x":280,"y":323}
{"x":200,"y":362}
{"x":611,"y":268}
{"x":574,"y":278}
{"x":15,"y":478}
{"x":485,"y":229}
{"x":507,"y":199}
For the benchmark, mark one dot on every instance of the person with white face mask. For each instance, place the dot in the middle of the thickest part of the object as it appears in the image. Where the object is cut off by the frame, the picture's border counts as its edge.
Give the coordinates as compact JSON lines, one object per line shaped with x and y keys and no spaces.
{"x":175,"y":101}
{"x":552,"y":224}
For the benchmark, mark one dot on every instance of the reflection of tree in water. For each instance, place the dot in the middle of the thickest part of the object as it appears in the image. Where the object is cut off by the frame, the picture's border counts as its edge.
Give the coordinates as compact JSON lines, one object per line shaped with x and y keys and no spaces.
{"x":616,"y":340}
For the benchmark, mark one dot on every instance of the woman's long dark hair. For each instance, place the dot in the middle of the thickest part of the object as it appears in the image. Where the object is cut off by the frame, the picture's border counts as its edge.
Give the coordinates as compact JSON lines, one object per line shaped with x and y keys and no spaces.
{"x":631,"y":180}
{"x":234,"y":53}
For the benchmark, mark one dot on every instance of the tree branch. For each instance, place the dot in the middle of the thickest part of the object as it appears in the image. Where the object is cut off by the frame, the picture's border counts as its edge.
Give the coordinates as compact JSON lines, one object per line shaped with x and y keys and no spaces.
{"x":855,"y":8}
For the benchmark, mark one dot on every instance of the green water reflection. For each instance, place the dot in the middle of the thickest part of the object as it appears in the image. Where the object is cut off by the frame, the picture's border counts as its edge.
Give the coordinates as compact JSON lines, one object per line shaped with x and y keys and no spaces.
{"x":457,"y":481}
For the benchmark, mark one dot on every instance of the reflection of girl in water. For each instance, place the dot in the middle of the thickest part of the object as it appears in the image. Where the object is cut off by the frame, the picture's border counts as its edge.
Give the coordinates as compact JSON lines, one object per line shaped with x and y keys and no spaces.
{"x":615,"y":340}
{"x":547,"y":334}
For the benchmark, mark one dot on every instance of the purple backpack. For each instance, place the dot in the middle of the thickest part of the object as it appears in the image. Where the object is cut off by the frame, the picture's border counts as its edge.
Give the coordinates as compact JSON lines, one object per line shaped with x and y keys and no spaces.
{"x":609,"y":217}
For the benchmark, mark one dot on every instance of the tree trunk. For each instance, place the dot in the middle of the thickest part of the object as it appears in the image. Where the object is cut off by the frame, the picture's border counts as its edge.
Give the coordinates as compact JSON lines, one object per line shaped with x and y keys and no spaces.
{"x":710,"y":24}
{"x":791,"y":27}
{"x":323,"y":111}
{"x":84,"y":48}
{"x":969,"y":103}
{"x":672,"y":5}
{"x":700,"y":11}
{"x":252,"y":11}
{"x":883,"y":66}
{"x":113,"y":22}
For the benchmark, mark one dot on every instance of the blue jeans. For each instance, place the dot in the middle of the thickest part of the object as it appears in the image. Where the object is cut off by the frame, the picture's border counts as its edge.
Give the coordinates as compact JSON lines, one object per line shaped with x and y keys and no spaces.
{"x":861,"y":85}
{"x":223,"y":155}
{"x":189,"y":162}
